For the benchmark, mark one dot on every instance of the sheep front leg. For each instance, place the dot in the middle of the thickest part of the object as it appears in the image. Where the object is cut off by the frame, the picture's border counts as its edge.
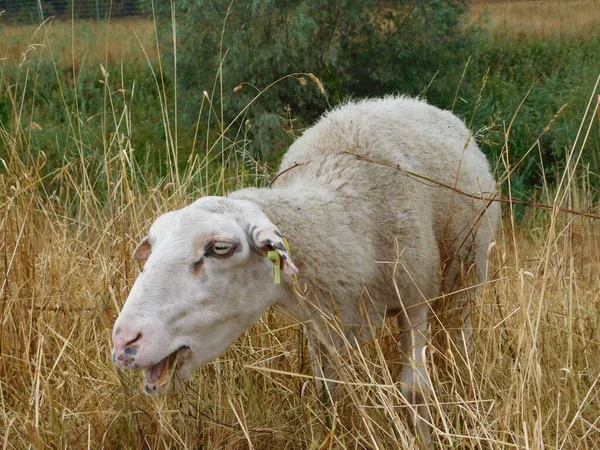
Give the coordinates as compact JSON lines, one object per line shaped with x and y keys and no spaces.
{"x":464,"y":305}
{"x":323,"y":367}
{"x":415,"y":378}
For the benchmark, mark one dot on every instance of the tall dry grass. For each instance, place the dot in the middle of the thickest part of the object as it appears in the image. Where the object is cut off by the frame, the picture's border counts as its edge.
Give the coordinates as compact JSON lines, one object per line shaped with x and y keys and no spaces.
{"x":531,"y":379}
{"x":81,"y":42}
{"x":541,"y":18}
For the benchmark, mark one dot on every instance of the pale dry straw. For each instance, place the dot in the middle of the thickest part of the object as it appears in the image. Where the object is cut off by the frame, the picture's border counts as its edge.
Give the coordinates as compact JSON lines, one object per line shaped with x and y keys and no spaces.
{"x":542,"y":18}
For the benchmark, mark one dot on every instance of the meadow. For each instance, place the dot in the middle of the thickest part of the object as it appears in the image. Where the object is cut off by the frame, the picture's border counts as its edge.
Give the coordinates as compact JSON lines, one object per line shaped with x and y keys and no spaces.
{"x":538,"y":18}
{"x":91,"y":151}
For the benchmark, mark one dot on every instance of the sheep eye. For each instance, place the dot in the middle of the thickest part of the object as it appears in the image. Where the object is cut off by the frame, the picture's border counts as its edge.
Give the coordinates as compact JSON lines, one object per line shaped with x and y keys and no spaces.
{"x":221,"y":249}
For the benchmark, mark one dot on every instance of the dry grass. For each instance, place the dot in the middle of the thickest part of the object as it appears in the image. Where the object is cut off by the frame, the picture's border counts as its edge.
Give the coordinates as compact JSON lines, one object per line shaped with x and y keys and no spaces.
{"x":87,"y":41}
{"x":532,"y":380}
{"x":539,"y":18}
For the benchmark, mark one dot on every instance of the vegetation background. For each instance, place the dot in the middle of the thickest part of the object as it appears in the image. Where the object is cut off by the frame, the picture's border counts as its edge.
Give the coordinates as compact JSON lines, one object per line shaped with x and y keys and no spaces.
{"x":112,"y":112}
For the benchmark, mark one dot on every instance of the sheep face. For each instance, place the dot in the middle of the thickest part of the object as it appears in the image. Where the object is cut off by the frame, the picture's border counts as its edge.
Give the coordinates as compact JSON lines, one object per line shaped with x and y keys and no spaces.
{"x":206,"y":279}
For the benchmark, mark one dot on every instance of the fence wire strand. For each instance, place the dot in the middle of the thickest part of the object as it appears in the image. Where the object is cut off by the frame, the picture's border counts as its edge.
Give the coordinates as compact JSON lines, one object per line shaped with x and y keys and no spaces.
{"x":36,"y":11}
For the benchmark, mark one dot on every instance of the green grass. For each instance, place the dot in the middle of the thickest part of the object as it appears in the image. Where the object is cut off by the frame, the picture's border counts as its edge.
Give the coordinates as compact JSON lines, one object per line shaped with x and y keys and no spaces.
{"x":66,"y":100}
{"x":545,"y":86}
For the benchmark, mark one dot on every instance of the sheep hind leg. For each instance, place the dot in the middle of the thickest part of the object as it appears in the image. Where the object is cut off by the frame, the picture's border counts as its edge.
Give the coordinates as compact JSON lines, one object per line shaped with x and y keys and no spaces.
{"x":464,"y":304}
{"x":415,"y":382}
{"x":474,"y":279}
{"x":460,"y":299}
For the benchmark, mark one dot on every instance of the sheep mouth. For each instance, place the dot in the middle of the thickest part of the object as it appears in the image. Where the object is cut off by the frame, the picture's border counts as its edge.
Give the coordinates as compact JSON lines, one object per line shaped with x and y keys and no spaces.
{"x":159,"y":376}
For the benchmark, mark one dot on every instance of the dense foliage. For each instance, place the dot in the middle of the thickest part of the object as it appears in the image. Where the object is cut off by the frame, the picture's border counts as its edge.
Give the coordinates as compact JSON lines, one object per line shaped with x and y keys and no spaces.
{"x":375,"y":47}
{"x":372,"y":47}
{"x":379,"y":47}
{"x":549,"y":77}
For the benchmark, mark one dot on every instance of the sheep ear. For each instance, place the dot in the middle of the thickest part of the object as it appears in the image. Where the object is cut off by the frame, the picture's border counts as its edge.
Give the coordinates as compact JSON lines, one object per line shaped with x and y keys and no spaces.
{"x":143,"y":250}
{"x":267,"y":238}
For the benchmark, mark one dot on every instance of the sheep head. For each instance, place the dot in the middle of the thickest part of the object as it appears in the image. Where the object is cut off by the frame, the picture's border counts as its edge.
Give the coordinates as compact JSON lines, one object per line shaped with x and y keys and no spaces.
{"x":206,"y":280}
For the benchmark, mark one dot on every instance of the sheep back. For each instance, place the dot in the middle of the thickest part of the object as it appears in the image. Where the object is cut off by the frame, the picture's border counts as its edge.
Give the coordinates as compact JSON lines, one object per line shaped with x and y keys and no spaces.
{"x":363,"y":232}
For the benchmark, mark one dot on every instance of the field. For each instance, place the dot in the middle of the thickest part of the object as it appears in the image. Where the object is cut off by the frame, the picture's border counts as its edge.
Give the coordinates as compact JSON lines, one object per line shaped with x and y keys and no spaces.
{"x":538,"y":18}
{"x":76,"y":196}
{"x":81,"y":42}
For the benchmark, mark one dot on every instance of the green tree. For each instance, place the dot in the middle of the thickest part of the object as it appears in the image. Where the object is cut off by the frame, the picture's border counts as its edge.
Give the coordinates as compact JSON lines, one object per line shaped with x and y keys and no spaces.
{"x":371,"y":47}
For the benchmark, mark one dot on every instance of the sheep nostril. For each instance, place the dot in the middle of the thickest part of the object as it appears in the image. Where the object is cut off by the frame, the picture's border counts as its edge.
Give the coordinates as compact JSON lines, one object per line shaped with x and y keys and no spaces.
{"x":134,"y":340}
{"x":127,"y":342}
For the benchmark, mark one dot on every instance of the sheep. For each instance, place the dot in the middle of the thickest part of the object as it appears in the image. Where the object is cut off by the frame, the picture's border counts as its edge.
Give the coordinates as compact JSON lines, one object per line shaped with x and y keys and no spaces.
{"x":333,"y":220}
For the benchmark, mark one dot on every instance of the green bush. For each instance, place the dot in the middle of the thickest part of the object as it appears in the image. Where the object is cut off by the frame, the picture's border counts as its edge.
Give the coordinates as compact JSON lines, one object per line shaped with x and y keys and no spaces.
{"x":559,"y":71}
{"x":64,"y":118}
{"x":371,"y":47}
{"x":356,"y":48}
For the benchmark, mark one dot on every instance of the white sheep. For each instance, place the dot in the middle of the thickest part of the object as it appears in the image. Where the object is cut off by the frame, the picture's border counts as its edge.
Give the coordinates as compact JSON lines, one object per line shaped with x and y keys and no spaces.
{"x":367,"y":240}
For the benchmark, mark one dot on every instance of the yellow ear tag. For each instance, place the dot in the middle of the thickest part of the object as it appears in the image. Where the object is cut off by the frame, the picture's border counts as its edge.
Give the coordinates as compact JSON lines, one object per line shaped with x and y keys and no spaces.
{"x":274,"y":256}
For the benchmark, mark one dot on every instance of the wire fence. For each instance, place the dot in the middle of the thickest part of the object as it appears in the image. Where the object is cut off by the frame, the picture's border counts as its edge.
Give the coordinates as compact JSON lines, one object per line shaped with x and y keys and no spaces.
{"x":35,"y":11}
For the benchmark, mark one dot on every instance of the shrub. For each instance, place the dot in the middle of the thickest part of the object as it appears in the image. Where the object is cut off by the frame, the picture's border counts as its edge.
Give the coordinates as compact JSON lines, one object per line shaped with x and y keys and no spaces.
{"x":371,"y":47}
{"x":560,"y":72}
